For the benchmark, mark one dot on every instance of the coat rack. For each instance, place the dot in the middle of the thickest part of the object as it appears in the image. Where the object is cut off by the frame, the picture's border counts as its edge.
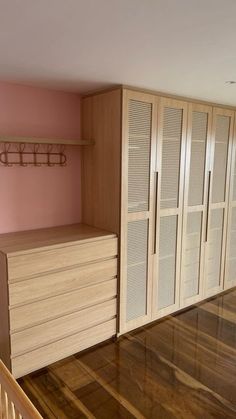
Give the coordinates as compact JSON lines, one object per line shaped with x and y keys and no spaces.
{"x":39,"y":155}
{"x":25,"y":151}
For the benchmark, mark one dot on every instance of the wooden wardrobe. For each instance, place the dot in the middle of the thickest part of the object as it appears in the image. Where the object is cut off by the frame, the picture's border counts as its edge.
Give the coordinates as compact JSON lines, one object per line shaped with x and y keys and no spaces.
{"x":162,"y":177}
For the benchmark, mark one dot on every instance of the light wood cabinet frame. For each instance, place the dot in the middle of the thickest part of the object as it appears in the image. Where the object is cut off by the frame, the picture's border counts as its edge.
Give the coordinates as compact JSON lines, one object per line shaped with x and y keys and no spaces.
{"x":171,"y":103}
{"x":220,"y":205}
{"x":187,"y":209}
{"x":145,"y":215}
{"x":231,"y":205}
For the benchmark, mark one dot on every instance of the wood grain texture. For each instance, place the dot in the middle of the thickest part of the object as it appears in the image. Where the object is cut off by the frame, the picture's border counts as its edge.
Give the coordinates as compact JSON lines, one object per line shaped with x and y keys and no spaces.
{"x":180,"y":367}
{"x":222,"y":168}
{"x":230,"y":277}
{"x":34,"y":337}
{"x":14,"y":404}
{"x":105,"y":117}
{"x":158,"y":93}
{"x":126,"y":217}
{"x":57,"y":350}
{"x":60,"y":282}
{"x":176,"y":212}
{"x":41,"y":311}
{"x":176,"y":97}
{"x":28,"y":264}
{"x":200,"y":207}
{"x":101,"y":119}
{"x":33,"y":240}
{"x":56,"y":297}
{"x":5,"y":349}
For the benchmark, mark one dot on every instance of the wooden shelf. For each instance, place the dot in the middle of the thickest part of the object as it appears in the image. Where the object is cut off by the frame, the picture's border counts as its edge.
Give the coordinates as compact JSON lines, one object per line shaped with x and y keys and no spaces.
{"x":35,"y":140}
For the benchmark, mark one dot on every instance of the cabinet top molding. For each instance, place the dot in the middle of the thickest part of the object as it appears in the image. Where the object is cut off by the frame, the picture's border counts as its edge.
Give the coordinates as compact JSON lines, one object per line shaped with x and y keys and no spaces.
{"x":36,"y":140}
{"x":160,"y":94}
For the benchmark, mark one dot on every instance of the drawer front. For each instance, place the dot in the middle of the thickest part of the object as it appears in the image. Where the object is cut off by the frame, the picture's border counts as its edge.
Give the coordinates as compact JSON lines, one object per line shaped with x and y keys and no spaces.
{"x":40,"y":287}
{"x":46,"y":333}
{"x":48,"y":354}
{"x":34,"y":263}
{"x":51,"y":308}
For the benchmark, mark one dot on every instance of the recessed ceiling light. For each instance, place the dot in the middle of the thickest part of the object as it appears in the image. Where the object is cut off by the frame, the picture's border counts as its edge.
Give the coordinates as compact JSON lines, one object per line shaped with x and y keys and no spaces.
{"x":230,"y":82}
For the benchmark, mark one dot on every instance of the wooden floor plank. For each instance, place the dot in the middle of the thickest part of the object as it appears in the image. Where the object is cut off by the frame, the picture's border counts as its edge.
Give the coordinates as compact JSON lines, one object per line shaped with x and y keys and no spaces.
{"x":116,"y":393}
{"x":212,"y":367}
{"x":89,"y":392}
{"x":220,"y":310}
{"x":226,"y":301}
{"x":213,"y":325}
{"x":47,"y":388}
{"x":181,"y":367}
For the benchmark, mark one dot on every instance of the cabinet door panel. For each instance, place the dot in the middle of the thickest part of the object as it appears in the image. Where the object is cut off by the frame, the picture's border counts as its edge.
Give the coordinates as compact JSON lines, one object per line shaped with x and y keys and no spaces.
{"x":197,"y":158}
{"x":230,"y":268}
{"x":139,"y":138}
{"x":220,"y":158}
{"x":221,"y":150}
{"x":171,"y":154}
{"x":167,"y":261}
{"x":138,"y":158}
{"x":137,"y":269}
{"x":171,"y":143}
{"x":195,"y":200}
{"x":230,"y":277}
{"x":214,"y":244}
{"x":193,"y":251}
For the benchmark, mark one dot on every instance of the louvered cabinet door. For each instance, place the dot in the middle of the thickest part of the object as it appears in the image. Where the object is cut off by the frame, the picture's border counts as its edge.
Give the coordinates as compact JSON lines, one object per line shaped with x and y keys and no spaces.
{"x":230,"y":258}
{"x":138,"y":158}
{"x":172,"y":116}
{"x":221,"y":148}
{"x":195,"y":203}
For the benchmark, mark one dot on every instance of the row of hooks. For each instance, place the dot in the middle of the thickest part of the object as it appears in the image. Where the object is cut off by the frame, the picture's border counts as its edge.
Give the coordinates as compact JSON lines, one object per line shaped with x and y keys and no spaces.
{"x":32,"y":155}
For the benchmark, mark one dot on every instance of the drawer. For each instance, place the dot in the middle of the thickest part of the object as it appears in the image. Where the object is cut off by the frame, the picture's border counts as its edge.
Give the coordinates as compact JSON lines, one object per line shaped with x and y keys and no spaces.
{"x":51,"y":308}
{"x":53,"y":352}
{"x":40,"y":287}
{"x":46,"y":333}
{"x":34,"y":263}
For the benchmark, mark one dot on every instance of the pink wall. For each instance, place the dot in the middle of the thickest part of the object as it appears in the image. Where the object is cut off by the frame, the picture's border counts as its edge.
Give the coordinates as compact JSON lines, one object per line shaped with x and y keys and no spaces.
{"x":35,"y":197}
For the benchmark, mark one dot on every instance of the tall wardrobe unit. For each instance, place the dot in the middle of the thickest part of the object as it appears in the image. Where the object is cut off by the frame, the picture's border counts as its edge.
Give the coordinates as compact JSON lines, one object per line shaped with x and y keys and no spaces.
{"x":162,"y":176}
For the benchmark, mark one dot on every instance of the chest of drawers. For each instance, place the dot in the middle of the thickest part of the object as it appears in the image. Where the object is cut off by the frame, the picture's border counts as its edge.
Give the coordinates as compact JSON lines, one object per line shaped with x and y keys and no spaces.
{"x":58,"y":291}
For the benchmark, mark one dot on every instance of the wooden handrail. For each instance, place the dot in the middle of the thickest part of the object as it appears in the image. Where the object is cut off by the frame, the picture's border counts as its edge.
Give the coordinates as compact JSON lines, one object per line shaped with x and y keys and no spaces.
{"x":14,"y":403}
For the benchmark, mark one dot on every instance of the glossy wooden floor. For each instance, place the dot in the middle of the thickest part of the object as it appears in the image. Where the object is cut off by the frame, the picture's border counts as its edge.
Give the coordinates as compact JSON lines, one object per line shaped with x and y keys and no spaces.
{"x":181,"y":367}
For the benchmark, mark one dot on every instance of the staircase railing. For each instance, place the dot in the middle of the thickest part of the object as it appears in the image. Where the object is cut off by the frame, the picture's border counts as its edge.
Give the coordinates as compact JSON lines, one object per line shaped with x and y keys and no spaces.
{"x":14,"y":404}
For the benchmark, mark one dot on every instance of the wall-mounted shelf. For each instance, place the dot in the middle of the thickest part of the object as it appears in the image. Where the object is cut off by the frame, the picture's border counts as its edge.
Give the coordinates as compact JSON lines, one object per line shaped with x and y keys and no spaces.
{"x":36,"y":140}
{"x":34,"y":151}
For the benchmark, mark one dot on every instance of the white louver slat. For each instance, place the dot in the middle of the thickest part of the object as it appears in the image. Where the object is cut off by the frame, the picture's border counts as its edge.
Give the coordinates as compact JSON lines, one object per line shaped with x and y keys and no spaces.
{"x":220,"y":158}
{"x":167,"y":261}
{"x":138,"y":202}
{"x":140,"y":118}
{"x":215,"y":248}
{"x":192,"y":254}
{"x":197,"y":167}
{"x":198,"y":157}
{"x":137,"y":269}
{"x":171,"y":151}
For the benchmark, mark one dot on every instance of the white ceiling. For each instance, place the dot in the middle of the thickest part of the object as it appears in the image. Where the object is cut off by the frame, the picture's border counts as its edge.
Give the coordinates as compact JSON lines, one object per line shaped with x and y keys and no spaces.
{"x":185,"y":47}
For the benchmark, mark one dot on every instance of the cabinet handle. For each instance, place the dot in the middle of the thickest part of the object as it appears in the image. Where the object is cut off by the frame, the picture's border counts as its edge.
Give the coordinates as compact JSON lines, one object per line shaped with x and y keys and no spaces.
{"x":155,"y":216}
{"x":208,"y":205}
